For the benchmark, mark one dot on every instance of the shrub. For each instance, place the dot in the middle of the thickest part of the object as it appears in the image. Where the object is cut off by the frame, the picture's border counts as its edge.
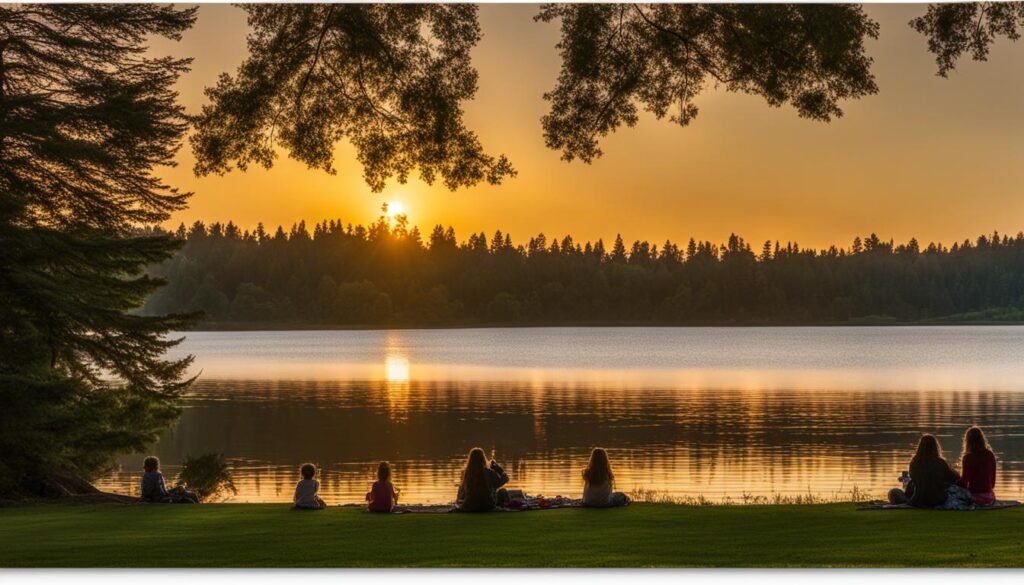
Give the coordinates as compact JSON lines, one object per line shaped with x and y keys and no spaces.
{"x":207,"y":475}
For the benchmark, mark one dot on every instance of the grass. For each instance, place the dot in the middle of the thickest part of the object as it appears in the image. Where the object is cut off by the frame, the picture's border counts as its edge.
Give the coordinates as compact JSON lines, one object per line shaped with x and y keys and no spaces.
{"x":642,"y":535}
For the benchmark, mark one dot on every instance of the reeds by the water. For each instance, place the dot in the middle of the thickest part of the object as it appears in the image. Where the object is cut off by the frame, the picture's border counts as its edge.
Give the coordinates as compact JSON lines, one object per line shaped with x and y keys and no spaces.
{"x":652,"y":496}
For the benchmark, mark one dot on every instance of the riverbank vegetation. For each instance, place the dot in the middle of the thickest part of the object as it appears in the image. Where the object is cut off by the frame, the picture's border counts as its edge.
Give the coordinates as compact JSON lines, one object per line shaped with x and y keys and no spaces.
{"x":388,"y":274}
{"x":641,"y":535}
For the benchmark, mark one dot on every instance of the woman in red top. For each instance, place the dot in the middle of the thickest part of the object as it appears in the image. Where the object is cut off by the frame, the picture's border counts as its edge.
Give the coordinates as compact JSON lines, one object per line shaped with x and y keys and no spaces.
{"x":978,"y":468}
{"x":383,"y":495}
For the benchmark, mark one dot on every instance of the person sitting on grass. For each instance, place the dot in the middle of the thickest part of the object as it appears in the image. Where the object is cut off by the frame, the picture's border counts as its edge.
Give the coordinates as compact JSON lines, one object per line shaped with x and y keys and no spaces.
{"x":307,"y":495}
{"x":479,"y":488}
{"x":154,"y":489}
{"x":383,"y":496}
{"x":978,"y":468}
{"x":597,"y":482}
{"x":930,"y":477}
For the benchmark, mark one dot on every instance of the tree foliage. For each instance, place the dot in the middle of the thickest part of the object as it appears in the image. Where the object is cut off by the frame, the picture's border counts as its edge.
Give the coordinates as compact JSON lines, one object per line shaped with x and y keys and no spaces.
{"x":616,"y":57}
{"x":355,"y":275}
{"x":85,"y":118}
{"x":957,"y":28}
{"x":391,"y":79}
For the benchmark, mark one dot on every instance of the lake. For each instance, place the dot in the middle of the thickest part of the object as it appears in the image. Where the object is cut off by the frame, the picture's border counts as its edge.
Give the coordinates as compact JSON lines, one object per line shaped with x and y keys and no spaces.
{"x":714,"y":412}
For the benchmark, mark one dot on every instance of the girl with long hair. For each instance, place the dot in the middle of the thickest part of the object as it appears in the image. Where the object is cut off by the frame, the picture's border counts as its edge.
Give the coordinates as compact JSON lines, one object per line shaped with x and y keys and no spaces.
{"x":978,"y":468}
{"x":478,"y":489}
{"x":930,"y":476}
{"x":598,"y":481}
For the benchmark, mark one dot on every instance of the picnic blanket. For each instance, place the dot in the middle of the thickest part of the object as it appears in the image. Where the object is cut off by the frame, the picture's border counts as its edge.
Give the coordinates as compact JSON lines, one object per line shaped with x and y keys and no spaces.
{"x":527,"y":503}
{"x":883,"y":505}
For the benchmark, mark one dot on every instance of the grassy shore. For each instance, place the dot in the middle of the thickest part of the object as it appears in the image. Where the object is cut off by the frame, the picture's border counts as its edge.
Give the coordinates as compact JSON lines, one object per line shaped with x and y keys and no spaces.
{"x":642,"y":535}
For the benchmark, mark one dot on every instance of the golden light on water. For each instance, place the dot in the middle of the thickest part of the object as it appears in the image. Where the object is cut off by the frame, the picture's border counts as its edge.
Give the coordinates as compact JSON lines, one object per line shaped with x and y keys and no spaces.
{"x":755,"y":411}
{"x":396,"y":368}
{"x":396,"y":374}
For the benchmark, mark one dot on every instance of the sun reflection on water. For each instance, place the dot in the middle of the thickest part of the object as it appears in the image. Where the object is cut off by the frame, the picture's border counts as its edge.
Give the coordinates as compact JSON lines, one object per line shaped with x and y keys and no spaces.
{"x":396,"y":378}
{"x":396,"y":369}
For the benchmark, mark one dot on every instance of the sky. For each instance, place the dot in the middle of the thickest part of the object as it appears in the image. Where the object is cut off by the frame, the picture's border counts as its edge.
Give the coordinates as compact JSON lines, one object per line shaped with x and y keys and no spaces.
{"x":932,"y":158}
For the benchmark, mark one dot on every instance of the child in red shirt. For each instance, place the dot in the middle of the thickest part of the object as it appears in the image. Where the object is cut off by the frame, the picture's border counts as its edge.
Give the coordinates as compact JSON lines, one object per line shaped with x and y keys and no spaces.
{"x":383,"y":496}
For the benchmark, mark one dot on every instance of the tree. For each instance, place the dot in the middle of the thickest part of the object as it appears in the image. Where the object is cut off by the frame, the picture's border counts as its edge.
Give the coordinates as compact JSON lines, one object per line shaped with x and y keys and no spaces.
{"x":361,"y":277}
{"x":390,"y":79}
{"x":957,"y":28}
{"x":618,"y":250}
{"x":661,"y":56}
{"x":85,"y":117}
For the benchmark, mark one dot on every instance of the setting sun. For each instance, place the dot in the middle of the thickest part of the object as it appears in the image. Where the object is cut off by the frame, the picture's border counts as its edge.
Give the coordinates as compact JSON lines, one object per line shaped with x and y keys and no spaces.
{"x":394,"y":208}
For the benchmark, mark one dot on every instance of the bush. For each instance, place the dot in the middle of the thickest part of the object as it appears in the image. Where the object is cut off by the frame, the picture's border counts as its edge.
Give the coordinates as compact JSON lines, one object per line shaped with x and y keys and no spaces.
{"x":207,"y":475}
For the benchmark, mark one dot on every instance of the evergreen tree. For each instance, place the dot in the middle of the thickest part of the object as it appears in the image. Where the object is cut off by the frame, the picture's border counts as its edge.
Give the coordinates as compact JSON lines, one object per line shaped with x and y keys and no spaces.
{"x":388,"y":276}
{"x":618,"y":250}
{"x":85,"y":118}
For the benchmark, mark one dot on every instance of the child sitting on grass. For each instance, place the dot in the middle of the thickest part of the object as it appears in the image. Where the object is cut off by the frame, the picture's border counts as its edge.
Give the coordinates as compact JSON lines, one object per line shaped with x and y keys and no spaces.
{"x":307,"y":490}
{"x":597,"y":483}
{"x":383,"y":495}
{"x":155,"y":490}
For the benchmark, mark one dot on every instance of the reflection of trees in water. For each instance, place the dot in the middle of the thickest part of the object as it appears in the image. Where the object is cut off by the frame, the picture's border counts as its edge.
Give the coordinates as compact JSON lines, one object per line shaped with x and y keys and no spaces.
{"x":682,"y":441}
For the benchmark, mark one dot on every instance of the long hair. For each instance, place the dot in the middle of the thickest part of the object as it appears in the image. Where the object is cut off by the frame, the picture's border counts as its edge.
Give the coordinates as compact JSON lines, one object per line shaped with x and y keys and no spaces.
{"x":384,"y":471}
{"x":474,"y":476}
{"x":928,"y":448}
{"x":974,"y":441}
{"x":599,"y":469}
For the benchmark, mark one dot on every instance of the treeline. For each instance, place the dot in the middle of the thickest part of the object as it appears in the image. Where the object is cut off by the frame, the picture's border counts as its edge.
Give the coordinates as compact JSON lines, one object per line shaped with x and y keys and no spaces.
{"x":392,"y":275}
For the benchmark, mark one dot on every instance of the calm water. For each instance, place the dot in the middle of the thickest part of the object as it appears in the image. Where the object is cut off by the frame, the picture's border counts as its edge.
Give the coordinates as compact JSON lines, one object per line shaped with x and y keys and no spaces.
{"x":718,"y":412}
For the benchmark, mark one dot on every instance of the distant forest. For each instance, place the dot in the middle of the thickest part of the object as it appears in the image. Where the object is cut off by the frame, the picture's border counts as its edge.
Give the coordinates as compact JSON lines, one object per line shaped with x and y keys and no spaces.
{"x":391,"y":275}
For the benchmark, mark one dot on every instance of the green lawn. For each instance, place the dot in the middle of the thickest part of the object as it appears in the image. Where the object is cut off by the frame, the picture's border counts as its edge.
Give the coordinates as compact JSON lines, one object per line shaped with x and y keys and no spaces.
{"x":263,"y":535}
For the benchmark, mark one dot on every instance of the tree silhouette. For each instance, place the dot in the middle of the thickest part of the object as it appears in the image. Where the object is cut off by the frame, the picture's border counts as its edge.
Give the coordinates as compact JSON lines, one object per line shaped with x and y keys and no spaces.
{"x":957,"y":28}
{"x":389,"y":78}
{"x":85,"y":117}
{"x":352,"y":275}
{"x":661,"y":56}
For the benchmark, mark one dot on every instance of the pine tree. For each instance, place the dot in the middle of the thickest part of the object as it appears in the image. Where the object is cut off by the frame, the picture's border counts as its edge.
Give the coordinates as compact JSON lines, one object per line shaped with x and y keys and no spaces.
{"x":618,"y":250}
{"x":85,"y":118}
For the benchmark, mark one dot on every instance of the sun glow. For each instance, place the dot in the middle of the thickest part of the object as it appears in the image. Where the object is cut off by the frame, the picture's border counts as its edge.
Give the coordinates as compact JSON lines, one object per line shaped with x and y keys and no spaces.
{"x":396,"y":368}
{"x":394,"y":208}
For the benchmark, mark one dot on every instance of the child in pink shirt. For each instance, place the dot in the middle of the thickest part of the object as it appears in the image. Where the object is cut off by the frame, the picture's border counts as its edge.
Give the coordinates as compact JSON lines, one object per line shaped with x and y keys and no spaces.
{"x":383,"y":495}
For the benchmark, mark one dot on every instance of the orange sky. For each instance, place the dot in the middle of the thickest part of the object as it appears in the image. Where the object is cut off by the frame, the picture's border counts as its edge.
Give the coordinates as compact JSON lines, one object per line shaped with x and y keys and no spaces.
{"x":938,"y":159}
